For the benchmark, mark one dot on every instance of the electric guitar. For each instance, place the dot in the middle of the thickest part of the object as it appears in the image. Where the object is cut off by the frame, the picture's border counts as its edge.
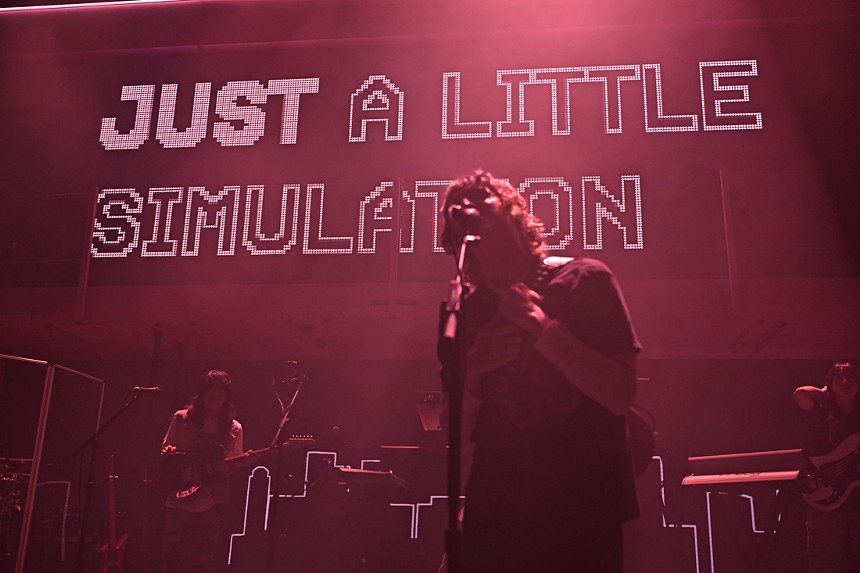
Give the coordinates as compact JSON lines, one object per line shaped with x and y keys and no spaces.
{"x":109,"y":556}
{"x":183,"y":474}
{"x":835,"y":477}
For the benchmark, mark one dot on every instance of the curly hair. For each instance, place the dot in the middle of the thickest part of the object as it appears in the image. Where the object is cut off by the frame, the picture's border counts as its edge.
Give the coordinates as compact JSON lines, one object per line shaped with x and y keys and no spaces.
{"x":528,"y":227}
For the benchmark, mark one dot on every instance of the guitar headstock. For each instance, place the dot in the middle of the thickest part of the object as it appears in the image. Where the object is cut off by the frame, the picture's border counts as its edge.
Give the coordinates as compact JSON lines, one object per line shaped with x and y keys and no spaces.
{"x":300,"y":441}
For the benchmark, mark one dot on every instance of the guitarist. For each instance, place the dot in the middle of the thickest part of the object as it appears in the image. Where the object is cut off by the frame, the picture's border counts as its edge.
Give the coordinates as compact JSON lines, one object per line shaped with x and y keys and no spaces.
{"x":204,"y":431}
{"x":550,"y":373}
{"x":832,"y":414}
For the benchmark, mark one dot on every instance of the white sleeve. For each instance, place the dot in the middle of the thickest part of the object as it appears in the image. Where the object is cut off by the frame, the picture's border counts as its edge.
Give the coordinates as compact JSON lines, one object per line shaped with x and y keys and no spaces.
{"x":236,"y":444}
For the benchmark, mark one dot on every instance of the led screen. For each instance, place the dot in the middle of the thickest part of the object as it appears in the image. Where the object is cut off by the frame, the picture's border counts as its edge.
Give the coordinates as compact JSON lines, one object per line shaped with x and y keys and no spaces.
{"x":668,"y":151}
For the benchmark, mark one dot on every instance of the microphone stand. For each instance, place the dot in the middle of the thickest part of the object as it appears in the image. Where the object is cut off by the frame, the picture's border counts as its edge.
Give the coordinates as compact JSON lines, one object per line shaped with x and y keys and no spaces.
{"x":276,"y":479}
{"x":93,"y":443}
{"x":276,"y":441}
{"x":453,"y":358}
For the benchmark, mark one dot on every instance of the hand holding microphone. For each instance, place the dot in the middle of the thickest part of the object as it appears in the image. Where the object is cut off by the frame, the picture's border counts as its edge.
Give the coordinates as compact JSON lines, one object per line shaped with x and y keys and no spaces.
{"x":520,"y":306}
{"x":466,"y":217}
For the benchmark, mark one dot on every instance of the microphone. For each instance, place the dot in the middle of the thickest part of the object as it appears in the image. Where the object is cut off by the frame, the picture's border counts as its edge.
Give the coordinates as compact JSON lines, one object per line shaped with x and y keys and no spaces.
{"x":145,"y":390}
{"x":467,"y":217}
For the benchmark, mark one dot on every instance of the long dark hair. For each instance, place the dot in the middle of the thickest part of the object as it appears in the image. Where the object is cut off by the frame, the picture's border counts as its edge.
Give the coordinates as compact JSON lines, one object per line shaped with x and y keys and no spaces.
{"x":834,"y":417}
{"x":210,"y":380}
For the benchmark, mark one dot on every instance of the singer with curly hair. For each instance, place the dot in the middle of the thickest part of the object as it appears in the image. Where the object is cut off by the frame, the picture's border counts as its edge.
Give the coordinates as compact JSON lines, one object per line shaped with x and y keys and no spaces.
{"x":549,"y":375}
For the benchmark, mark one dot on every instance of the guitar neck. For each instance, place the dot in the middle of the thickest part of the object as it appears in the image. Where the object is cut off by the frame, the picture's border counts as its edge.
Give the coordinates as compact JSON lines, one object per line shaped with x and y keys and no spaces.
{"x":290,"y":445}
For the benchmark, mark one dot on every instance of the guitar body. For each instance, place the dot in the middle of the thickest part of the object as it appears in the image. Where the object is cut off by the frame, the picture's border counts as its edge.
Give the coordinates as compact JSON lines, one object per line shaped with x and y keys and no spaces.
{"x":835,"y":477}
{"x":109,"y":558}
{"x":184,"y":474}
